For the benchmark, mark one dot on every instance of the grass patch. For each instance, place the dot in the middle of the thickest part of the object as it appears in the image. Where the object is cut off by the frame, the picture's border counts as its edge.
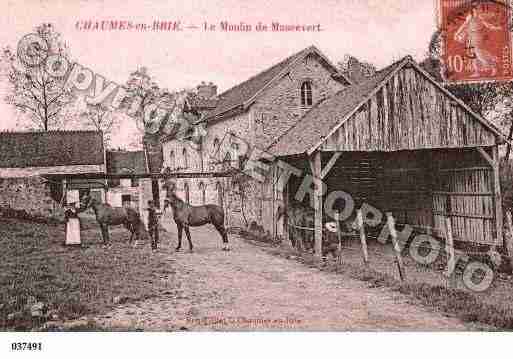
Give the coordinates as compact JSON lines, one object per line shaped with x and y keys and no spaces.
{"x":35,"y":267}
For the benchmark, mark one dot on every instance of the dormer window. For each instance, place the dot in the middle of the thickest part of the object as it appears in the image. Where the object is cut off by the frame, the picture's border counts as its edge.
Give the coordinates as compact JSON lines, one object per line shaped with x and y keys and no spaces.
{"x":306,"y":94}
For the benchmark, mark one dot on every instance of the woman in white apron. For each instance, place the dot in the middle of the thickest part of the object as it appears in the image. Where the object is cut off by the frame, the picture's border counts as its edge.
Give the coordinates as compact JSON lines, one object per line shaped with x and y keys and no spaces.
{"x":72,"y":225}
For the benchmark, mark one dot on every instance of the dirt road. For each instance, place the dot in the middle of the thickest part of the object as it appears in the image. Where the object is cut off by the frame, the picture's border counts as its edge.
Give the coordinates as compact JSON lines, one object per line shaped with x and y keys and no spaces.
{"x":249,"y":289}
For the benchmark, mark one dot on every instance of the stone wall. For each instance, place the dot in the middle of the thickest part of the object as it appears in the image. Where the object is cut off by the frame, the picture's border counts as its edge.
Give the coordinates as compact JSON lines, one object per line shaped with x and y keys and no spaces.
{"x":31,"y":194}
{"x":280,"y":106}
{"x":217,"y":190}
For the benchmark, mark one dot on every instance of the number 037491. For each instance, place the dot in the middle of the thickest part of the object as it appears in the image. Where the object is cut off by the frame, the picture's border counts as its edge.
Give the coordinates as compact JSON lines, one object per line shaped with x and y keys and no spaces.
{"x":19,"y":346}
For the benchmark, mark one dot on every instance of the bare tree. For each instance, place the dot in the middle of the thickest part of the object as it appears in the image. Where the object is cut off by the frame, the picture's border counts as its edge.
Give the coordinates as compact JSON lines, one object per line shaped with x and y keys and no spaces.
{"x":144,"y":91}
{"x":40,"y":97}
{"x":101,"y":118}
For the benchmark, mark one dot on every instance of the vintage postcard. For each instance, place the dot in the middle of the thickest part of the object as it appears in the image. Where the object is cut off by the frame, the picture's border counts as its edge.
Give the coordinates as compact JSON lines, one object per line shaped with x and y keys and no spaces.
{"x":228,"y":166}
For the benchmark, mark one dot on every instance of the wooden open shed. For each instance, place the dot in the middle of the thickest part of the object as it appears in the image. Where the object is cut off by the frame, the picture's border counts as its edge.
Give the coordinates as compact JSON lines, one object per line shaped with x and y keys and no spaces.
{"x":402,"y":143}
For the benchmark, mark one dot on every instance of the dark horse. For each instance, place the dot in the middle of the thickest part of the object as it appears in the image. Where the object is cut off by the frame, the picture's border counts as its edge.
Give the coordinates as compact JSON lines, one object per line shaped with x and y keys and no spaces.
{"x":186,"y":216}
{"x":106,"y":216}
{"x":300,"y":216}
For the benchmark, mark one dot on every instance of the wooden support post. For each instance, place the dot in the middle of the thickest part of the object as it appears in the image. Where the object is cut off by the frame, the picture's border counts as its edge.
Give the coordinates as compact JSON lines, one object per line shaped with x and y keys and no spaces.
{"x":339,"y":237}
{"x":509,"y":239}
{"x":315,"y":163}
{"x":286,"y":232}
{"x":493,"y":161}
{"x":272,"y":183}
{"x":451,"y":260}
{"x":499,"y":217}
{"x":64,"y":192}
{"x":363,"y":237}
{"x":397,"y":249}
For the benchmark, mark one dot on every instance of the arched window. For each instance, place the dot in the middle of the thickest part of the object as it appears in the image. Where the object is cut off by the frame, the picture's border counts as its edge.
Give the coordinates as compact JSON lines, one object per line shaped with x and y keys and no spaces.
{"x":172,"y":160}
{"x":203,"y":189}
{"x":186,"y":190}
{"x":306,"y":94}
{"x":216,"y":144}
{"x":219,"y":189}
{"x":185,"y":159}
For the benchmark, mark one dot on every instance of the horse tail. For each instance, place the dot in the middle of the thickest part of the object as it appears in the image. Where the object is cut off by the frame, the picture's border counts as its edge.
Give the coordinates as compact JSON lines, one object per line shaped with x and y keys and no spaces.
{"x":141,"y":228}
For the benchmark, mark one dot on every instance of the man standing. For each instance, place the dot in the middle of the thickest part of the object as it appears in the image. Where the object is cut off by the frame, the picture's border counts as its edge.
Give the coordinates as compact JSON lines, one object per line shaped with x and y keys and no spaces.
{"x":153,"y":224}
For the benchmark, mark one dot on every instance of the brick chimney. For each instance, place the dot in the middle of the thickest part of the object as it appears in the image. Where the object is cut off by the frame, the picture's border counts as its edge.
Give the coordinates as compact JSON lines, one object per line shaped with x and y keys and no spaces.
{"x":207,"y":90}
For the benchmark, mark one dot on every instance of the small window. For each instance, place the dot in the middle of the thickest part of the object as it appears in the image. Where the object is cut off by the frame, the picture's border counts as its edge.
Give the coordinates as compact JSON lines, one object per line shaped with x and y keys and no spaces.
{"x":134,"y":182}
{"x":216,"y":144}
{"x":306,"y":94}
{"x":185,"y":159}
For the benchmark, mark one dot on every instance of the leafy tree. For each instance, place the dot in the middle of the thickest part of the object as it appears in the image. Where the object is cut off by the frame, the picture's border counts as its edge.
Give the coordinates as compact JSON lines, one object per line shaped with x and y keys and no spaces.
{"x":39,"y":97}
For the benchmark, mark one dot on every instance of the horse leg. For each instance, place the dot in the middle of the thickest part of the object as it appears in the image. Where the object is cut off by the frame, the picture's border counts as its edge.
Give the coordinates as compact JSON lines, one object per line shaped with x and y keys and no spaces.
{"x":128,"y":228}
{"x":180,"y":228}
{"x":222,"y":231}
{"x":105,"y":234}
{"x":134,"y":232}
{"x":188,"y":234}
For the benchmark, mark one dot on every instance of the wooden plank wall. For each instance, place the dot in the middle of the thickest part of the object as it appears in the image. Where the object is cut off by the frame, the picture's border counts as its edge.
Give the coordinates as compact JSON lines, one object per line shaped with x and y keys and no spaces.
{"x":463,"y":191}
{"x":409,"y":112}
{"x":359,"y":174}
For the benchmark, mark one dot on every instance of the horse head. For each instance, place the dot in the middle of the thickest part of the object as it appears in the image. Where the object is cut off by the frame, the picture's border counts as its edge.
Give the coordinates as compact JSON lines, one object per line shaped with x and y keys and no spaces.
{"x":169,"y":185}
{"x":87,"y":202}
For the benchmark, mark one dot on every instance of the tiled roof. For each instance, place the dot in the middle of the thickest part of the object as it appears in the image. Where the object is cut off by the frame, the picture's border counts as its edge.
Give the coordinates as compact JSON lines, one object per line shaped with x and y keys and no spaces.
{"x":120,"y":162}
{"x":52,"y":148}
{"x":317,"y":123}
{"x":240,"y":94}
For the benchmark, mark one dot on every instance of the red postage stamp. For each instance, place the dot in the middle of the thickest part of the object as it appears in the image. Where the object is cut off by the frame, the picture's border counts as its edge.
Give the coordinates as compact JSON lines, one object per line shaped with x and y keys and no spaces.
{"x":476,"y":40}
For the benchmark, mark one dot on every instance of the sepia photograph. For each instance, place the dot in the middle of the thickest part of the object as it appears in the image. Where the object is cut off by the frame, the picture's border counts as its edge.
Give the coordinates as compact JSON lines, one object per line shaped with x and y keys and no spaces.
{"x":327,"y":172}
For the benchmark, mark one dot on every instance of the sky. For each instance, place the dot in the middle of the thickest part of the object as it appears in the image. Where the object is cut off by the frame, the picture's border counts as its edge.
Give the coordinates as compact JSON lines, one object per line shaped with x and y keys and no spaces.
{"x":377,"y":31}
